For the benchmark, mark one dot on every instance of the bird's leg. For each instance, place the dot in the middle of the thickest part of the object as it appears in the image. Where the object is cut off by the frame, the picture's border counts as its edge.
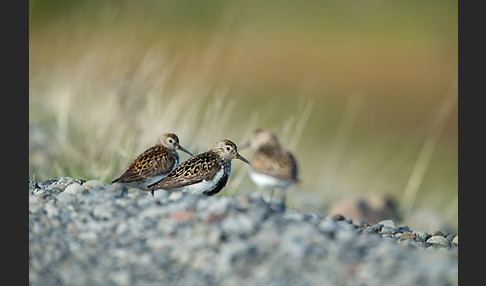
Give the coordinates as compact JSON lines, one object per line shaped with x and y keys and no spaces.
{"x":283,"y":196}
{"x":267,"y":194}
{"x":280,"y":194}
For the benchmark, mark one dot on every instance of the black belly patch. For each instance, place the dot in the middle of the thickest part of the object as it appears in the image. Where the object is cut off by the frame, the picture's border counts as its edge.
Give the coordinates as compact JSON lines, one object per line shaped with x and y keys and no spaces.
{"x":221,"y":183}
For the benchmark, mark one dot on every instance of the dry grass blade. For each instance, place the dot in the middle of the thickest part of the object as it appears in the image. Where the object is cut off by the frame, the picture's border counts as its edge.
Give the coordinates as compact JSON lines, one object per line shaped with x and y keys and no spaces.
{"x":428,"y":148}
{"x":338,"y":147}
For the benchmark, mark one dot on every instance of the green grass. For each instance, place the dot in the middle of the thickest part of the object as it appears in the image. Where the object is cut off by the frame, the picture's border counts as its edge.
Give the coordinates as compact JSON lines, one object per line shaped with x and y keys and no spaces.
{"x":356,"y":95}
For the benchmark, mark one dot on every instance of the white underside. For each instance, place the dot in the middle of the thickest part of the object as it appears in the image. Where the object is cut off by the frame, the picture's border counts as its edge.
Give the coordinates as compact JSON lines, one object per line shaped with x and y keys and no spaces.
{"x":199,"y":188}
{"x":142,"y":184}
{"x":268,"y":182}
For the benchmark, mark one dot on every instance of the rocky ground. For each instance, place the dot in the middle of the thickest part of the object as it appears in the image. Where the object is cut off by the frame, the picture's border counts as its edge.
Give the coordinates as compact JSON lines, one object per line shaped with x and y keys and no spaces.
{"x":93,"y":233}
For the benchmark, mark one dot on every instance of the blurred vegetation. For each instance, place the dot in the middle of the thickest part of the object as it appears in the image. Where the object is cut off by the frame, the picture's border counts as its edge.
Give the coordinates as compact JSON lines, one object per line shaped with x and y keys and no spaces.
{"x":364,"y":92}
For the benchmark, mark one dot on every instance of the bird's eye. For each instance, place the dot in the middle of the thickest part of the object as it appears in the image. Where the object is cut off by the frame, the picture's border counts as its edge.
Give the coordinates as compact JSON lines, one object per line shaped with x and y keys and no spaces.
{"x":171,"y":141}
{"x":228,"y":148}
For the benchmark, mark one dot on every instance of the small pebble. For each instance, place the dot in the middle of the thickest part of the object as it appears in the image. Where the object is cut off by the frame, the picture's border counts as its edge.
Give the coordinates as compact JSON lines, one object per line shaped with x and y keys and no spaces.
{"x":95,"y":185}
{"x":407,"y":235}
{"x":377,"y":227}
{"x":439,"y":239}
{"x":66,"y":197}
{"x":73,"y":189}
{"x":388,"y":222}
{"x":421,"y":235}
{"x":360,"y":223}
{"x":439,"y":233}
{"x":456,"y":239}
{"x":403,"y":228}
{"x":338,"y":217}
{"x":450,"y":237}
{"x":388,"y":229}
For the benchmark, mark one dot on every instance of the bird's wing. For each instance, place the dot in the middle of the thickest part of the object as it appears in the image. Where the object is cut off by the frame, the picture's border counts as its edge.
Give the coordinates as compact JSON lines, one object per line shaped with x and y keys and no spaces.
{"x":191,"y":171}
{"x":276,"y":163}
{"x":153,"y":161}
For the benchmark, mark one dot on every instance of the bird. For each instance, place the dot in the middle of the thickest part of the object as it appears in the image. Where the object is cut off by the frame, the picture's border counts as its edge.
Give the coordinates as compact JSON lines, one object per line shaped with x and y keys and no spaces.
{"x":206,"y":173}
{"x":272,"y":167}
{"x":154,"y":163}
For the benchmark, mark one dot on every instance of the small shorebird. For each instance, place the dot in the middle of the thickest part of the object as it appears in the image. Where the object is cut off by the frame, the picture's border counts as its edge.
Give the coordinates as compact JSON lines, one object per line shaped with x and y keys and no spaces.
{"x":272,"y":166}
{"x":206,"y":173}
{"x":154,"y":163}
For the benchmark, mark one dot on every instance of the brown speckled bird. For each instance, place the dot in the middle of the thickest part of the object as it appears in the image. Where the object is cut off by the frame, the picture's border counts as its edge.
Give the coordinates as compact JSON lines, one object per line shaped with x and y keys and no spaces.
{"x":272,"y":166}
{"x":154,"y":163}
{"x":206,"y":173}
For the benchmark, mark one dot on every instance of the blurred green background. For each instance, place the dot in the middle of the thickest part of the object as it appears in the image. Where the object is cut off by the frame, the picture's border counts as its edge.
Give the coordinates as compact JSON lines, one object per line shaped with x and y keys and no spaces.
{"x":363,"y":92}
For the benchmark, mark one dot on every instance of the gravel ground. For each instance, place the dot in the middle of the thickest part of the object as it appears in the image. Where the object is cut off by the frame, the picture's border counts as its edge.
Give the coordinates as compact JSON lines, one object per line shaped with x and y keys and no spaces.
{"x":94,"y":233}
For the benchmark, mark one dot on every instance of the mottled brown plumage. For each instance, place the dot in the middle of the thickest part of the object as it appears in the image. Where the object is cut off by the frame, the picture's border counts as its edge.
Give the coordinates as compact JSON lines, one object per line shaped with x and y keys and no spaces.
{"x":272,"y":166}
{"x":206,"y":173}
{"x":154,"y":163}
{"x":275,"y":162}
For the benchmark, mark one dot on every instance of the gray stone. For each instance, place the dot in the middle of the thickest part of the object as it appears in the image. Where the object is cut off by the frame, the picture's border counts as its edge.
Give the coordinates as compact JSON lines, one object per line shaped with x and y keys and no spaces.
{"x":213,"y":207}
{"x":154,"y":213}
{"x":213,"y":237}
{"x":74,"y":189}
{"x":244,"y":202}
{"x":421,"y":235}
{"x":50,"y":209}
{"x":293,"y":216}
{"x":175,"y":196}
{"x":65,"y":197}
{"x":373,"y":229}
{"x":403,"y":228}
{"x":95,"y":184}
{"x":276,"y":206}
{"x":231,"y":254}
{"x":64,"y":182}
{"x":438,"y":239}
{"x":450,"y":237}
{"x":238,"y":225}
{"x":48,"y":182}
{"x":440,"y":233}
{"x":360,"y":223}
{"x":134,"y":194}
{"x":328,"y":228}
{"x":388,"y":222}
{"x":90,"y":237}
{"x":34,"y":200}
{"x":103,"y":211}
{"x":407,"y":235}
{"x":388,"y":229}
{"x":456,"y":239}
{"x":338,"y":217}
{"x":120,"y":190}
{"x":160,"y":194}
{"x":33,"y":185}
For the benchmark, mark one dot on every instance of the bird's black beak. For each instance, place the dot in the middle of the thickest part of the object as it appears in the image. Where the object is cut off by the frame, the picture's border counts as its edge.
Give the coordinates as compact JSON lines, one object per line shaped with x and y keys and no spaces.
{"x":184,"y":149}
{"x":238,"y":156}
